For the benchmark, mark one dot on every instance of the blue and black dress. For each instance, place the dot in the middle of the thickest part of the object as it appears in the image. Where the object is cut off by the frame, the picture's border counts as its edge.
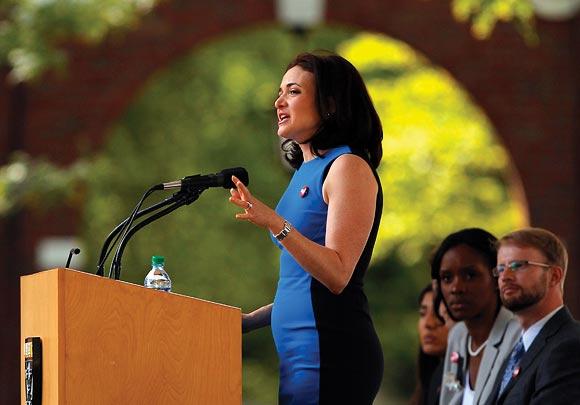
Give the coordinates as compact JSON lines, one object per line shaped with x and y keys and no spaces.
{"x":328,"y":349}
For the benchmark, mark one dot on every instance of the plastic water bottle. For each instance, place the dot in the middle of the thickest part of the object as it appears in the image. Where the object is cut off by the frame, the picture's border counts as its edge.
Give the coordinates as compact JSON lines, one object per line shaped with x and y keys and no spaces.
{"x":158,"y":278}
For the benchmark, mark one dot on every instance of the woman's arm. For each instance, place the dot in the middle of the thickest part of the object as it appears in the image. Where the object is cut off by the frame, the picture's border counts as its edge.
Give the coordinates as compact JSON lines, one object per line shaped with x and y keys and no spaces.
{"x":350,"y":190}
{"x":257,"y":319}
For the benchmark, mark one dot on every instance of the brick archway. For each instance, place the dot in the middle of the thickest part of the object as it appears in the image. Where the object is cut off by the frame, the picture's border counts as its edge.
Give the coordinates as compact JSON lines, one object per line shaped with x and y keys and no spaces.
{"x":531,"y":95}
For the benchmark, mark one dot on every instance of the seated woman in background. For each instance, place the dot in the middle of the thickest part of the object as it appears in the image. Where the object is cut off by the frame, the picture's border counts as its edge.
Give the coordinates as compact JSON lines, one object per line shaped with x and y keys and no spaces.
{"x":486,"y":333}
{"x":433,"y":343}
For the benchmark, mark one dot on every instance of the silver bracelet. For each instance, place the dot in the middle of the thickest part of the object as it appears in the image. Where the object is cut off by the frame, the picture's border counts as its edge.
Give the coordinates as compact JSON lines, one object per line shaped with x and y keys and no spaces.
{"x":284,"y":232}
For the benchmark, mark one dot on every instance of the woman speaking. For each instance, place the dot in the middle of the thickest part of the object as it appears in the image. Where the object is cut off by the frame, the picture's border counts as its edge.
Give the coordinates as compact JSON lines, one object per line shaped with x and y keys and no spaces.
{"x":325,"y":224}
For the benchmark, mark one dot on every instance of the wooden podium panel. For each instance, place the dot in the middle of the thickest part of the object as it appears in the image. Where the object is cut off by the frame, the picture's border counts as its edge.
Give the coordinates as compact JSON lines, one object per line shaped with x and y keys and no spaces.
{"x":112,"y":342}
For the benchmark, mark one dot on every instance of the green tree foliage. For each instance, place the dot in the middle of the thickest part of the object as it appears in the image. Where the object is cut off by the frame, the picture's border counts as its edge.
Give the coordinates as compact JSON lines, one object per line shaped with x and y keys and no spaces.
{"x":33,"y":33}
{"x":442,"y":170}
{"x":432,"y":169}
{"x":37,"y":184}
{"x":484,"y":15}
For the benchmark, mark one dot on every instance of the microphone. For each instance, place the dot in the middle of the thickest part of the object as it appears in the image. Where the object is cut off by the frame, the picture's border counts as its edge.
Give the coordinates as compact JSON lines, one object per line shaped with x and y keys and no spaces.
{"x":190,"y":189}
{"x":73,"y":251}
{"x":221,"y":179}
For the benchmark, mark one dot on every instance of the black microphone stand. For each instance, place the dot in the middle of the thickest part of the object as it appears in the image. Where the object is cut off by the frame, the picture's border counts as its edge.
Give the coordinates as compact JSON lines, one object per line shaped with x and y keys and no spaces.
{"x":119,"y":228}
{"x":181,"y":198}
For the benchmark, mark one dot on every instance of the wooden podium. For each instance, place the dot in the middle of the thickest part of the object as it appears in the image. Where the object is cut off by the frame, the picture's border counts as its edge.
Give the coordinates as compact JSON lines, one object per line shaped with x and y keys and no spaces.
{"x":112,"y":342}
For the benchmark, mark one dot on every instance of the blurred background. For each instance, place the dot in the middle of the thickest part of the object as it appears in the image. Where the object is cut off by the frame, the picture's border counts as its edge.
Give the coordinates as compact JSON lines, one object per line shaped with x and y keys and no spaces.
{"x":479,"y":100}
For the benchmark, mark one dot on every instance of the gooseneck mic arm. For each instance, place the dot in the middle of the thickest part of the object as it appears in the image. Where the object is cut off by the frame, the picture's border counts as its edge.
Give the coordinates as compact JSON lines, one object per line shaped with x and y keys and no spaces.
{"x":124,"y":227}
{"x":105,"y":251}
{"x":190,"y":188}
{"x":183,"y":197}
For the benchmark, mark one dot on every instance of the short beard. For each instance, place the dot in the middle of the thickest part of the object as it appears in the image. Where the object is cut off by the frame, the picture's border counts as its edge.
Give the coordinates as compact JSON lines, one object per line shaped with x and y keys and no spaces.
{"x":524,"y":301}
{"x":527,"y":298}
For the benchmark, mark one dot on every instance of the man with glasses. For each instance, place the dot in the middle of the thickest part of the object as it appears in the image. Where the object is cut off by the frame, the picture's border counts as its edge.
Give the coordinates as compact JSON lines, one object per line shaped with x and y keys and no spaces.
{"x":544,"y":366}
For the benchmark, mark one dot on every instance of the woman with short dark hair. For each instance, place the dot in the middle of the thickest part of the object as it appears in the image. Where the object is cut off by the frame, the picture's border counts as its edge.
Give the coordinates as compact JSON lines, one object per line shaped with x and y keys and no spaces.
{"x":325,"y":224}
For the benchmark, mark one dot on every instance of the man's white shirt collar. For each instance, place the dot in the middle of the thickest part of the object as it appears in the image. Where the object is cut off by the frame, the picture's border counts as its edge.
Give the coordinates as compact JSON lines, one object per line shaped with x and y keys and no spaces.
{"x":530,"y":334}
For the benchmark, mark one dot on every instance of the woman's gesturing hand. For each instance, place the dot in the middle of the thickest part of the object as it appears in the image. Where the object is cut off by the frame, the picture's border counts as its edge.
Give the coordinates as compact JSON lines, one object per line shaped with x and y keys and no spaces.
{"x":255,"y":211}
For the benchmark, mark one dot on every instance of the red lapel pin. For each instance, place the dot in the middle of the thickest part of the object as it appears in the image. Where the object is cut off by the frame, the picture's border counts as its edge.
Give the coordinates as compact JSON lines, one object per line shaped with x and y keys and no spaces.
{"x":304,"y":191}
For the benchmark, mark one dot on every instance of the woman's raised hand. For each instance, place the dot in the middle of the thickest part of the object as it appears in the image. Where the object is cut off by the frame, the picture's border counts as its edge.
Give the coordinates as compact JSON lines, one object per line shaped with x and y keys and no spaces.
{"x":255,"y":211}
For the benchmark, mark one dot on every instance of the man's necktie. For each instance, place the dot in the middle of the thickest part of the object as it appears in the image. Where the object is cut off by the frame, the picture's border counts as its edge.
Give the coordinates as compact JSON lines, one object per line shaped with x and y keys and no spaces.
{"x":517,"y":353}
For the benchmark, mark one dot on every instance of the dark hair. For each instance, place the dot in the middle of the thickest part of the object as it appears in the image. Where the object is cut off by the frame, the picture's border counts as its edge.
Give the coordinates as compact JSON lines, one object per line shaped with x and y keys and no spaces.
{"x":426,"y":367}
{"x":426,"y":364}
{"x":425,"y":290}
{"x":348,"y":116}
{"x":479,"y":240}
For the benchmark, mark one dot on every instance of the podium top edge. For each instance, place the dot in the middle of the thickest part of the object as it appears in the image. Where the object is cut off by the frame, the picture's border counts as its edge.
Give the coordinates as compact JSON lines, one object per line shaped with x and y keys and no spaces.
{"x":64,"y":271}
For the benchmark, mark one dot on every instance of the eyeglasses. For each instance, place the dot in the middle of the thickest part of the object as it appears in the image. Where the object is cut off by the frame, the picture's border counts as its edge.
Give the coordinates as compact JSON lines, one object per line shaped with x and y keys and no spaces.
{"x":516,"y":265}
